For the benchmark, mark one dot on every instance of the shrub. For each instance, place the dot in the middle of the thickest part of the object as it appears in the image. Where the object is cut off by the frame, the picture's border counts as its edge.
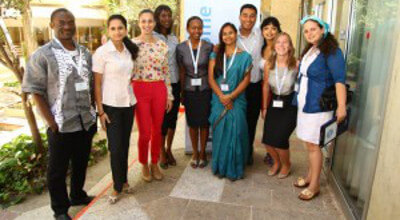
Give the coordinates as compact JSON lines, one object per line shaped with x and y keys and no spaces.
{"x":22,"y":172}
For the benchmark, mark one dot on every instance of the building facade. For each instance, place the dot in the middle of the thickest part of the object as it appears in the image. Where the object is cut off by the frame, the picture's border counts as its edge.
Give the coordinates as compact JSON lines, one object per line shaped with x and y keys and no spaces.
{"x":90,"y":16}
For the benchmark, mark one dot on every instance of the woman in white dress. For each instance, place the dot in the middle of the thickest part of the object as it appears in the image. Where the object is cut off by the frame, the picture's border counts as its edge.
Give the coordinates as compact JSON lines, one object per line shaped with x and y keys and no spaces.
{"x":322,"y":65}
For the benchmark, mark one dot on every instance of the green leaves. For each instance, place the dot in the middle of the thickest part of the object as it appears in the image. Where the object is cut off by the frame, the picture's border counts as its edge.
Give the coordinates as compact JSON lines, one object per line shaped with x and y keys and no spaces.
{"x":23,"y":172}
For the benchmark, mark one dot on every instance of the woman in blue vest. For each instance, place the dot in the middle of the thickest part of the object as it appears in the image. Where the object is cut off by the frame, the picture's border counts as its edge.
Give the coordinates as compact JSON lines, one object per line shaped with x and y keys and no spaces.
{"x":322,"y":65}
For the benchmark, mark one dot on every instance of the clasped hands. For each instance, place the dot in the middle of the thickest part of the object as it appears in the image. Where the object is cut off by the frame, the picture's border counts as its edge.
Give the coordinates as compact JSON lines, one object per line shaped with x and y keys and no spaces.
{"x":227,"y":101}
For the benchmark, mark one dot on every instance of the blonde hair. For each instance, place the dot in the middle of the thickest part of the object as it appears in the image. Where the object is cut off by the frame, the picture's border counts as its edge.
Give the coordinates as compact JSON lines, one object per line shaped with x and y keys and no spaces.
{"x":291,"y":61}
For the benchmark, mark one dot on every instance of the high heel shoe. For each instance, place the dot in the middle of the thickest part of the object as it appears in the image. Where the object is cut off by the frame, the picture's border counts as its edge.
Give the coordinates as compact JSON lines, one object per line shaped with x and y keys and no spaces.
{"x":273,"y":173}
{"x":283,"y":176}
{"x":146,"y":173}
{"x":155,"y":172}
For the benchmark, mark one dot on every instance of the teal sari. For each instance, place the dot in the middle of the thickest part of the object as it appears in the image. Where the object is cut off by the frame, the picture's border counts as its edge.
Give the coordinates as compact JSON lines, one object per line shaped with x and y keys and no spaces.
{"x":230,"y":143}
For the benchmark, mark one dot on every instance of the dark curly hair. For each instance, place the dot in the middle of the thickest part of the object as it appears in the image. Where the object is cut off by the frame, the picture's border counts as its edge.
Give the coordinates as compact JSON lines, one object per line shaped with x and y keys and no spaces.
{"x":327,"y":45}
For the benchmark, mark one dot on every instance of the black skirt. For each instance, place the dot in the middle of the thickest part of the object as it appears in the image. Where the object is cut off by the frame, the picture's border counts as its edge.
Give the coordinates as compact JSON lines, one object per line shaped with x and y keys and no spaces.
{"x":197,"y":108}
{"x":280,"y":123}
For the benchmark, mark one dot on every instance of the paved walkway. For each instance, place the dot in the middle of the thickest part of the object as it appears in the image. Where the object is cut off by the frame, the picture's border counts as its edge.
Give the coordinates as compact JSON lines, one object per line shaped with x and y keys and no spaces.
{"x":187,"y":193}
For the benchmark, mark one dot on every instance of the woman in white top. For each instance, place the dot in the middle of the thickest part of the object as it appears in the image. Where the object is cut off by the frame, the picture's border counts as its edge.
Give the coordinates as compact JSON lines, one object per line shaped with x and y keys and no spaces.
{"x":270,"y":28}
{"x":113,"y":68}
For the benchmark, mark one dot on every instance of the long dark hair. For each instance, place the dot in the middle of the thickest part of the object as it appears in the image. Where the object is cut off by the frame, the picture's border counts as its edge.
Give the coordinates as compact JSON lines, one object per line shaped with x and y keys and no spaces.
{"x":270,"y":20}
{"x":219,"y":60}
{"x":130,"y":46}
{"x":157,"y":14}
{"x":327,"y":45}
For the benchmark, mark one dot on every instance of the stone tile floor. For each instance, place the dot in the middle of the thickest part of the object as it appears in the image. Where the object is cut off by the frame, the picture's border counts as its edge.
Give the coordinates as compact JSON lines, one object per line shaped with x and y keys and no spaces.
{"x":187,"y":193}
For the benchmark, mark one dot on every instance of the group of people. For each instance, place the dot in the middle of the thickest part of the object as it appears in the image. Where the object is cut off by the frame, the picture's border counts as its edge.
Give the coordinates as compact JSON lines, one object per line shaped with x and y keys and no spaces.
{"x":223,"y":87}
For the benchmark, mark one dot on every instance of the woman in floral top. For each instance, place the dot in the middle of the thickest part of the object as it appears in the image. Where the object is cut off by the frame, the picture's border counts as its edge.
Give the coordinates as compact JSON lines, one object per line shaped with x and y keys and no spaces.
{"x":152,"y":87}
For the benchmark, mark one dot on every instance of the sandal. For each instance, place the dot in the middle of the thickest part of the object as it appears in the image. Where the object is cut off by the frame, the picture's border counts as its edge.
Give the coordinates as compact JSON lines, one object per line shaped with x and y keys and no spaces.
{"x":194,"y":163}
{"x":112,"y":199}
{"x":203,"y":163}
{"x":307,"y":194}
{"x":300,"y":183}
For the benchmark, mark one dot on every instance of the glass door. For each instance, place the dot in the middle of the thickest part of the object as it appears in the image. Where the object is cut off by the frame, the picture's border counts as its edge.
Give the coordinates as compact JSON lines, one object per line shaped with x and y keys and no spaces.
{"x":369,"y":61}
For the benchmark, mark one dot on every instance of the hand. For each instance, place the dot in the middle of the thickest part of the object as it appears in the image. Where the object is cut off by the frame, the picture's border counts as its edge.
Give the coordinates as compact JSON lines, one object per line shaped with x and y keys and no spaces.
{"x":229,"y":106}
{"x":225,"y":99}
{"x":169,"y":105}
{"x":341,"y":113}
{"x":263,"y":113}
{"x":103,"y":120}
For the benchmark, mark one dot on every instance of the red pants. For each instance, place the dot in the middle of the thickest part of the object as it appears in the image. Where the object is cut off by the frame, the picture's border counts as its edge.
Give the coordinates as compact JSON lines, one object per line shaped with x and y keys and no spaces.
{"x":150,"y":109}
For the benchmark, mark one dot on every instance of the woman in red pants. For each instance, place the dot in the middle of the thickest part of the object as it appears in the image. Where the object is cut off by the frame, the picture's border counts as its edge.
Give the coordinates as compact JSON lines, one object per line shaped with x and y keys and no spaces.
{"x":152,"y":87}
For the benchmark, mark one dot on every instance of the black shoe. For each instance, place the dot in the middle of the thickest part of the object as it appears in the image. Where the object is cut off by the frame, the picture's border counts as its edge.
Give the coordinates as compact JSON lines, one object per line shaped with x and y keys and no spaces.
{"x":83,"y":201}
{"x":64,"y":216}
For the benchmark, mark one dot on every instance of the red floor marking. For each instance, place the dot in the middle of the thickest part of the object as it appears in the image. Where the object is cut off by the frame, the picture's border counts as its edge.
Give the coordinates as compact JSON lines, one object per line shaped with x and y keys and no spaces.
{"x":80,"y":213}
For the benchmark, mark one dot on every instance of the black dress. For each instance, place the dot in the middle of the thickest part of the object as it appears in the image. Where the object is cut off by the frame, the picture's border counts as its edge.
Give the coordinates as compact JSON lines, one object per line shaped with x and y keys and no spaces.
{"x":280,"y":123}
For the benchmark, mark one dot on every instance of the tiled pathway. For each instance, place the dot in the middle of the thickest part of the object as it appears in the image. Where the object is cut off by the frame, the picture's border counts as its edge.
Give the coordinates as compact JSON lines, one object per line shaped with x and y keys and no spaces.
{"x":187,"y":193}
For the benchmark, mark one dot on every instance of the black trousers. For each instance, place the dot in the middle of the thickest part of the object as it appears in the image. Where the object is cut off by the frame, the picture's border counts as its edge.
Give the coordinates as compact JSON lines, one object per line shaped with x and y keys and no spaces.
{"x":253,"y":96}
{"x":64,"y":148}
{"x":171,"y":117}
{"x":118,"y":135}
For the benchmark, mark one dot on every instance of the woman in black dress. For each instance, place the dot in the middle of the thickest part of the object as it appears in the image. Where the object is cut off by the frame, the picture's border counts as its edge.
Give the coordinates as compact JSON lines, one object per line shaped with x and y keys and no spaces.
{"x":280,"y":117}
{"x":192,"y":57}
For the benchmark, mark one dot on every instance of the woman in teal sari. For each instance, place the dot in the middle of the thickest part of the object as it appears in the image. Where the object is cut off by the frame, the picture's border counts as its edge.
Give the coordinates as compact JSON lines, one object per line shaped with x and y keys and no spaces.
{"x":229,"y":75}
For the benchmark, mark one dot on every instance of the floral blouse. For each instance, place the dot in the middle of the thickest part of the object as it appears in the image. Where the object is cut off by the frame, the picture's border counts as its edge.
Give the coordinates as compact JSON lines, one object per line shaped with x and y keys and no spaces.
{"x":152,"y":63}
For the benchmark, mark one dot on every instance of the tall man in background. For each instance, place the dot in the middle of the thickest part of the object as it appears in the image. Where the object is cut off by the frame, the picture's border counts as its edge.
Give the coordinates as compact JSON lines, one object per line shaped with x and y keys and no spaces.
{"x":250,"y":40}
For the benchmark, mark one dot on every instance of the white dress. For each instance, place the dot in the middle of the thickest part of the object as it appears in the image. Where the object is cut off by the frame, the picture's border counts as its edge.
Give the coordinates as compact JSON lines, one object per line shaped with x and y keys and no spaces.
{"x":309,"y":124}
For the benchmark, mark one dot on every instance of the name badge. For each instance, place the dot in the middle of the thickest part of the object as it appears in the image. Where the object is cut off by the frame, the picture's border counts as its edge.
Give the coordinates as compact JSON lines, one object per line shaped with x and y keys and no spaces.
{"x":81,"y":86}
{"x":296,"y":87}
{"x":224,"y":87}
{"x":277,"y":104}
{"x":196,"y":82}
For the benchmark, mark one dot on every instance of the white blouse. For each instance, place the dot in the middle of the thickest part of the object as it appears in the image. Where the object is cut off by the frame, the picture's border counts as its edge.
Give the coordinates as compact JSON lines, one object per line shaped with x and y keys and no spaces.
{"x":117,"y":70}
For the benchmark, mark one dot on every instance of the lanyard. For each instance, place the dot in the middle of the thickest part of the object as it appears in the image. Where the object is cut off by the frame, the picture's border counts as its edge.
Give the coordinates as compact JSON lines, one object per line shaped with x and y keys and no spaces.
{"x":244,"y":46}
{"x":230,"y":63}
{"x":279,"y":85}
{"x":80,"y":61}
{"x":195,"y":61}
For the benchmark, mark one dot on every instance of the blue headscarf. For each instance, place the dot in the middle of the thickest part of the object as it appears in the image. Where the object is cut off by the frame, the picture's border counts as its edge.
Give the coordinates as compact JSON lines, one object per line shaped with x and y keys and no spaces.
{"x":318,"y":20}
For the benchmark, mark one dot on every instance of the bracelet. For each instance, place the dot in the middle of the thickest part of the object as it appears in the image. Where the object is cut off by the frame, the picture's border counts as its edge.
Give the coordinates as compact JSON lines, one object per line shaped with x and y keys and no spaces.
{"x":101,"y":114}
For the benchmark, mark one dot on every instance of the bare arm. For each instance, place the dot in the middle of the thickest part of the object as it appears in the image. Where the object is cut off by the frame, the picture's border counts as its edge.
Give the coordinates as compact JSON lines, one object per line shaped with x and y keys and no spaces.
{"x":98,"y":78}
{"x":341,"y":99}
{"x":46,"y":113}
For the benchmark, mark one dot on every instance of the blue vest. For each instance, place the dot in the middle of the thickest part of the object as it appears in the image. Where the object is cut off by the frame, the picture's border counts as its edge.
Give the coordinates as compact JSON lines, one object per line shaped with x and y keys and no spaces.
{"x":323,"y":72}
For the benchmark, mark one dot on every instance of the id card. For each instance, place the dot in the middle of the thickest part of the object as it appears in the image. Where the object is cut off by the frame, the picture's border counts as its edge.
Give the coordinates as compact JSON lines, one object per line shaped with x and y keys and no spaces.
{"x":277,"y":104}
{"x":196,"y":82}
{"x":224,"y":87}
{"x":81,"y":86}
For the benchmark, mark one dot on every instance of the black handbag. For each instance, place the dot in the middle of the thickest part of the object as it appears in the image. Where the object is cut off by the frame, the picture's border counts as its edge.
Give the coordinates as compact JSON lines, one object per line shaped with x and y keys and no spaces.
{"x":328,"y":101}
